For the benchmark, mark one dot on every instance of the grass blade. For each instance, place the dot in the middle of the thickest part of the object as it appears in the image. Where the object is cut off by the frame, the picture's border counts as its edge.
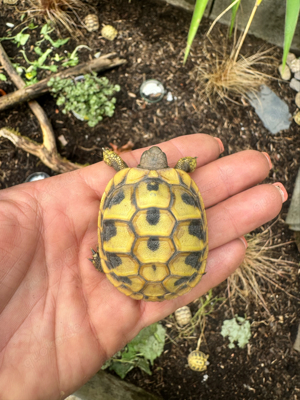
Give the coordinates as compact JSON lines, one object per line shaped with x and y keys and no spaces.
{"x":199,"y":9}
{"x":233,"y":15}
{"x":291,"y":18}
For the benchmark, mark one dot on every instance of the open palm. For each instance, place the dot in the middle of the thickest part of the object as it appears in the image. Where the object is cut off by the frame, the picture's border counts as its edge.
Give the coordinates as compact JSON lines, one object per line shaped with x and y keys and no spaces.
{"x":60,"y":318}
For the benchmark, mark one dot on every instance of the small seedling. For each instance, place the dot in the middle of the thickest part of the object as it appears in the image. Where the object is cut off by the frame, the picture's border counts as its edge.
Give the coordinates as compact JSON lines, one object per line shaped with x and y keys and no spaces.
{"x":20,"y":38}
{"x":72,"y":59}
{"x":238,"y":330}
{"x":90,"y":98}
{"x":145,"y":347}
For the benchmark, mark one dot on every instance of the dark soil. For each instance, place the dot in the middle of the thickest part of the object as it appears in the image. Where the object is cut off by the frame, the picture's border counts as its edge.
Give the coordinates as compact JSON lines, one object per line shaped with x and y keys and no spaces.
{"x":152,"y":39}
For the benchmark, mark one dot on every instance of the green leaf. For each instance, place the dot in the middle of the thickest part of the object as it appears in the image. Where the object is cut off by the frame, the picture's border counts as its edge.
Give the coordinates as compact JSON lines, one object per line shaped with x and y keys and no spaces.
{"x":57,"y":43}
{"x":21,"y":38}
{"x":233,"y":15}
{"x":56,"y":58}
{"x":149,"y":342}
{"x":3,"y":77}
{"x":199,"y":9}
{"x":121,"y":369}
{"x":143,"y":365}
{"x":32,"y":26}
{"x":43,"y":58}
{"x":38,"y":51}
{"x":291,"y":18}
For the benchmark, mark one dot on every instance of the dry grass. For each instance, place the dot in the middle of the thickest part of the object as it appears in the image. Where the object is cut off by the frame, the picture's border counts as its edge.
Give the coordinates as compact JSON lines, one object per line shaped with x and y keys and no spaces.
{"x":260,"y":271}
{"x":58,"y":12}
{"x":225,"y":78}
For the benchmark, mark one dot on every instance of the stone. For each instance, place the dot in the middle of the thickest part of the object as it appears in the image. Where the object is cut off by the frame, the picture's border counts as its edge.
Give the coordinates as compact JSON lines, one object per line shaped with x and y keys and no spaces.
{"x":297,"y":341}
{"x":297,"y":76}
{"x":295,"y":65}
{"x":294,"y":84}
{"x":273,"y":111}
{"x":104,"y":386}
{"x":293,"y":215}
{"x":286,"y":73}
{"x":297,"y":120}
{"x":290,"y":57}
{"x":297,"y":99}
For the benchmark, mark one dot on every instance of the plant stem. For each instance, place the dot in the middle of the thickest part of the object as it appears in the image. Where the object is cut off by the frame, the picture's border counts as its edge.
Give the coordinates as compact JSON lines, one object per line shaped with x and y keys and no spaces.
{"x":242,"y":38}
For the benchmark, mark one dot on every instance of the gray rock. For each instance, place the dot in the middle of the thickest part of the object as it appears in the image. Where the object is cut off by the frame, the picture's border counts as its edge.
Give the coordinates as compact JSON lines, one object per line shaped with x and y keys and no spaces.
{"x":297,"y":76}
{"x":297,"y":99}
{"x":293,"y":216}
{"x":295,"y":65}
{"x":273,"y":111}
{"x":294,"y":84}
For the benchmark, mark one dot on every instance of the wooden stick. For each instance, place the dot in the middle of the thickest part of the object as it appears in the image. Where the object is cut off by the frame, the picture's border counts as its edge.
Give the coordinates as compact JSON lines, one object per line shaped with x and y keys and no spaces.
{"x":26,"y":93}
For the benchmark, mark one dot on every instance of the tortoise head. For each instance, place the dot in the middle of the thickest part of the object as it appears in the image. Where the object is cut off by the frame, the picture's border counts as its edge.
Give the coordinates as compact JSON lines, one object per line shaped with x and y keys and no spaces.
{"x":154,"y":158}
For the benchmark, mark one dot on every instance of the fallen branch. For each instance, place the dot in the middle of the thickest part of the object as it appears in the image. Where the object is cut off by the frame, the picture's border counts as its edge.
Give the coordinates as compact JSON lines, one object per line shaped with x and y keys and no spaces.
{"x":47,"y":152}
{"x":50,"y":158}
{"x":30,"y":92}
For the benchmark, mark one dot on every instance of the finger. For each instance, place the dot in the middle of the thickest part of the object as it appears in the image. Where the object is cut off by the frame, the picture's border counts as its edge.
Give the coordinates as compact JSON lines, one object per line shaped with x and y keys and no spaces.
{"x":204,"y":147}
{"x":221,"y":263}
{"x":242,"y":213}
{"x":229,"y":175}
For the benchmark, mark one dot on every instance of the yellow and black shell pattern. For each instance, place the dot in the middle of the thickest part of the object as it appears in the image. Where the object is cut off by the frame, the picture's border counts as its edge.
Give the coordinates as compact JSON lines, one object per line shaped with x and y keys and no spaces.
{"x":152,"y":233}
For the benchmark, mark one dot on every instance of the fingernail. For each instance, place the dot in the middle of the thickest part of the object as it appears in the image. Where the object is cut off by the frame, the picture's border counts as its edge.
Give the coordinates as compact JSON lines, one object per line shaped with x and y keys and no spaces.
{"x":220,"y":144}
{"x":268,"y":159}
{"x":245,"y":243}
{"x":282,"y":191}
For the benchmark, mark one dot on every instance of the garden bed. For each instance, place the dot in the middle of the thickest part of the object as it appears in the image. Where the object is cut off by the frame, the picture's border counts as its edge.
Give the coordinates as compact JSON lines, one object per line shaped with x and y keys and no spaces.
{"x":152,"y":38}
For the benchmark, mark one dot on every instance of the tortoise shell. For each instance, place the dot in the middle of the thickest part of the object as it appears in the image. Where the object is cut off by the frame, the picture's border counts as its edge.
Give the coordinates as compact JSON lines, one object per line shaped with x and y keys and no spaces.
{"x":152,"y":233}
{"x":198,"y":361}
{"x":183,"y":315}
{"x":91,"y":22}
{"x":109,"y":32}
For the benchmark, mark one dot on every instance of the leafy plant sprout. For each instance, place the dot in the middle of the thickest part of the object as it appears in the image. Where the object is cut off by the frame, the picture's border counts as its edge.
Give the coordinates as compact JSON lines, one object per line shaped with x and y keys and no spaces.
{"x":91,"y":98}
{"x":260,"y":270}
{"x":58,"y":12}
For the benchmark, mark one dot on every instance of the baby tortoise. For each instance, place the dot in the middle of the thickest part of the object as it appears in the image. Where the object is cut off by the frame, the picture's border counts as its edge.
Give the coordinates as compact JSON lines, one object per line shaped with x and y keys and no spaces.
{"x":91,"y":22}
{"x":152,"y":228}
{"x":198,"y":361}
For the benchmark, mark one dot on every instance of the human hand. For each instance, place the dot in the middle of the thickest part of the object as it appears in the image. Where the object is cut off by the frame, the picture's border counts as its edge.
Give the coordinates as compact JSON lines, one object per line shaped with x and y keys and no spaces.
{"x":60,"y":318}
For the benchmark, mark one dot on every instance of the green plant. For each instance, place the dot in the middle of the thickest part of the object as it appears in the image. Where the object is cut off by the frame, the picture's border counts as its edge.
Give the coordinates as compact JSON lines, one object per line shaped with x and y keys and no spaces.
{"x":238,"y":330}
{"x":291,"y":18}
{"x":91,"y":98}
{"x":145,"y":347}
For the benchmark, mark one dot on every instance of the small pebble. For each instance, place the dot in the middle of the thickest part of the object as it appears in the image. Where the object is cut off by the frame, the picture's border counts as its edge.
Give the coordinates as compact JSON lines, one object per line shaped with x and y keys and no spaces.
{"x":297,"y":100}
{"x":297,"y":76}
{"x":295,"y":65}
{"x":62,"y":140}
{"x":9,"y":25}
{"x":286,"y":73}
{"x":290,"y":57}
{"x":297,"y":118}
{"x":294,"y":84}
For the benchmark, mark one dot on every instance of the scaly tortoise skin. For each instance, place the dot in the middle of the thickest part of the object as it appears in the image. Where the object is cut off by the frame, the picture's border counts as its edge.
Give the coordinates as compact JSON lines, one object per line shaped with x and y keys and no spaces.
{"x":152,"y":228}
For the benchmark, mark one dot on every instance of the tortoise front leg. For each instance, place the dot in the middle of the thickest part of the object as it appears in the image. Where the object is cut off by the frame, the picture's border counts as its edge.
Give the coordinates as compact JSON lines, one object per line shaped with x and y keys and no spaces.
{"x":113,"y":160}
{"x":96,"y":260}
{"x":187,"y":164}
